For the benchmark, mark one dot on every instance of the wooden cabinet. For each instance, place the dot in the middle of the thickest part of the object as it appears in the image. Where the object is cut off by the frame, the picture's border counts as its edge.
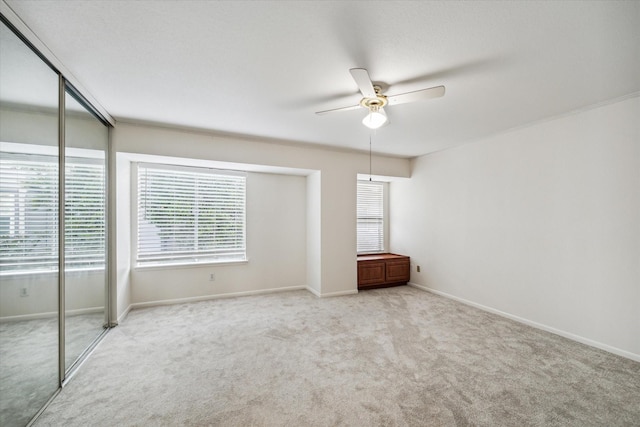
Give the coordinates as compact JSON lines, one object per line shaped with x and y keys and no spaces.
{"x":382,"y":270}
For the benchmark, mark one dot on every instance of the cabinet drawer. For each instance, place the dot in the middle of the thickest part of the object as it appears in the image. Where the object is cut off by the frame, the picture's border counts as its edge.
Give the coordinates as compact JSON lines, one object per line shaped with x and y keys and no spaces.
{"x":371,"y":272}
{"x":397,"y":271}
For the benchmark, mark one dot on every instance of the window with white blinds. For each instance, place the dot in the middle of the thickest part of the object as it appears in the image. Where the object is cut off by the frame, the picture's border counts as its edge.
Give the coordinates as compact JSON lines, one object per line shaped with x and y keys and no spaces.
{"x":370,"y":227}
{"x":29,"y":213}
{"x":188,"y":215}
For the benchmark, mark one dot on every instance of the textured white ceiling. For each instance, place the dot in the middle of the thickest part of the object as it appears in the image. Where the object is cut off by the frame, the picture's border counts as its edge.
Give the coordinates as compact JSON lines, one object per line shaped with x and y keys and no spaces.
{"x":262,"y":68}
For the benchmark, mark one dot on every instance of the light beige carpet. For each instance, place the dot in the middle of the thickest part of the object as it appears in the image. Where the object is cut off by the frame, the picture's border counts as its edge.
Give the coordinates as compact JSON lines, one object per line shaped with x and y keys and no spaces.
{"x":29,"y":361}
{"x":388,"y":357}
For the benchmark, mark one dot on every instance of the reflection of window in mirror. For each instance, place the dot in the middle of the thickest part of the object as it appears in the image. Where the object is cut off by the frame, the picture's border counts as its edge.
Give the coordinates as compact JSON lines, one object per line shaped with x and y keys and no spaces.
{"x":28,"y":193}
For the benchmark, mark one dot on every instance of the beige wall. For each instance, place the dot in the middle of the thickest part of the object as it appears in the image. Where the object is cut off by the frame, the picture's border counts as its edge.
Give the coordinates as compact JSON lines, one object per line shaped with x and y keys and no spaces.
{"x":541,"y":223}
{"x":320,"y":185}
{"x":85,"y":293}
{"x":276,"y":249}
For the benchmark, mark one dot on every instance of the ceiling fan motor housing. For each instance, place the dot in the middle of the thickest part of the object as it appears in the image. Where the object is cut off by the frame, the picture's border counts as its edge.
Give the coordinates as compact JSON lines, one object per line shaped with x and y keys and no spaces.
{"x":376,"y":103}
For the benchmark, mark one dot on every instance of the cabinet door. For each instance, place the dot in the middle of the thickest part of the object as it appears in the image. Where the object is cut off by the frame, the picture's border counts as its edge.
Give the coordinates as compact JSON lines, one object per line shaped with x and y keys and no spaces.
{"x":397,"y":270}
{"x":371,"y":272}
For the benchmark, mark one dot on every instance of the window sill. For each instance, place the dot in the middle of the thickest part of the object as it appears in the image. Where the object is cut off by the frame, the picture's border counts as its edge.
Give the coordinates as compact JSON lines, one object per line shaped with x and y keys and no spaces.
{"x":203,"y":264}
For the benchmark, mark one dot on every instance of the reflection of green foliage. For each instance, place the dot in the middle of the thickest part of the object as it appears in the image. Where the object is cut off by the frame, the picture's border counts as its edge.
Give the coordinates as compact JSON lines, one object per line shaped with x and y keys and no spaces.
{"x":84,"y":216}
{"x":194,"y":212}
{"x":170,"y":211}
{"x":37,"y":240}
{"x":220,"y":221}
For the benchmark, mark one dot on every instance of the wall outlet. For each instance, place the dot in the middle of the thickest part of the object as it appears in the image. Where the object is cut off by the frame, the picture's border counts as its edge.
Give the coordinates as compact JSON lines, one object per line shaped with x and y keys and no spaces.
{"x":418,"y":269}
{"x":212,"y":277}
{"x":24,"y":292}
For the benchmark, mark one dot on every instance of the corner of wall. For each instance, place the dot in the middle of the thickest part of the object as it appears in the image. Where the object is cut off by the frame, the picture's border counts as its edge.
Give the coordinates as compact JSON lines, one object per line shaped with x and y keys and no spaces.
{"x":123,"y":239}
{"x":314,"y":238}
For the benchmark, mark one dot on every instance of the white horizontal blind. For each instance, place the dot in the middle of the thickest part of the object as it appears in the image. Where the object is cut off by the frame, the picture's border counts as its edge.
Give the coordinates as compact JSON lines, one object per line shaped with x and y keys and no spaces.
{"x":370,"y":227}
{"x":29,"y":213}
{"x":190,"y":215}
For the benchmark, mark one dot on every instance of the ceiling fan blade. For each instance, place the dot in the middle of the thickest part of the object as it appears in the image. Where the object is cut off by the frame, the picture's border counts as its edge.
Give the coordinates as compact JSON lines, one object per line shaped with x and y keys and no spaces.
{"x":361,"y":76}
{"x":352,"y":107}
{"x":418,"y":95}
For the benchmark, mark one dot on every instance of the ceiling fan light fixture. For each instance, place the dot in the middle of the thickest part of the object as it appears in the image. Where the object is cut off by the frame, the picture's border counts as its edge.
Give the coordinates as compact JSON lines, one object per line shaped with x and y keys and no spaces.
{"x":375,"y":119}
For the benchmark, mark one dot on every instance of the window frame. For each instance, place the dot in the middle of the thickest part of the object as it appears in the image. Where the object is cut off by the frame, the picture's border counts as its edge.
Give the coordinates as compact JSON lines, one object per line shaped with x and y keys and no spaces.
{"x":204,"y":260}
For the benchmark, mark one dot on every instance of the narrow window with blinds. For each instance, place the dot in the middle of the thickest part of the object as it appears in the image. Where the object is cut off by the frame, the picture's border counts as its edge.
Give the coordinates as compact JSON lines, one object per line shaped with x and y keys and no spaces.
{"x":29,"y":213}
{"x":370,"y":227}
{"x":190,"y":215}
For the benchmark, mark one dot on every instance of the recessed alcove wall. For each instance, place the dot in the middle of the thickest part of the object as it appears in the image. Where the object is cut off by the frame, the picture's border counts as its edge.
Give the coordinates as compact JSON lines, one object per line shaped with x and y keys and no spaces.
{"x":301,"y":215}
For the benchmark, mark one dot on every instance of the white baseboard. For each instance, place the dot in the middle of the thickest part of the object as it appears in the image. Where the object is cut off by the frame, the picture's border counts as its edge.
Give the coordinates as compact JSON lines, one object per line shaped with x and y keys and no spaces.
{"x":50,"y":314}
{"x":339,"y":293}
{"x":331,"y":294}
{"x":569,"y":335}
{"x":124,"y":314}
{"x":209,"y":297}
{"x":21,"y":317}
{"x":89,"y":310}
{"x":313,"y":291}
{"x":156,"y":303}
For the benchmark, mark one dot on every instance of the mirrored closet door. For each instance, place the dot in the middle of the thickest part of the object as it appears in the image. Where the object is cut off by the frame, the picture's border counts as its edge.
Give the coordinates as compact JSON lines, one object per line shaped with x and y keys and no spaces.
{"x":86,"y":140}
{"x":28,"y":231}
{"x":53,"y":256}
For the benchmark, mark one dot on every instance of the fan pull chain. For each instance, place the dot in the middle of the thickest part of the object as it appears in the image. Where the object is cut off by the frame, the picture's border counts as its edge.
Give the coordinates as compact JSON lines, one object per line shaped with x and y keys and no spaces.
{"x":370,"y":157}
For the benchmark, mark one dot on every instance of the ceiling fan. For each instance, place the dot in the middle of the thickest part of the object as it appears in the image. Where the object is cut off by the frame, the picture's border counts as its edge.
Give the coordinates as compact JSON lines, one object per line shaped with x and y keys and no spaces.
{"x":375,"y":101}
